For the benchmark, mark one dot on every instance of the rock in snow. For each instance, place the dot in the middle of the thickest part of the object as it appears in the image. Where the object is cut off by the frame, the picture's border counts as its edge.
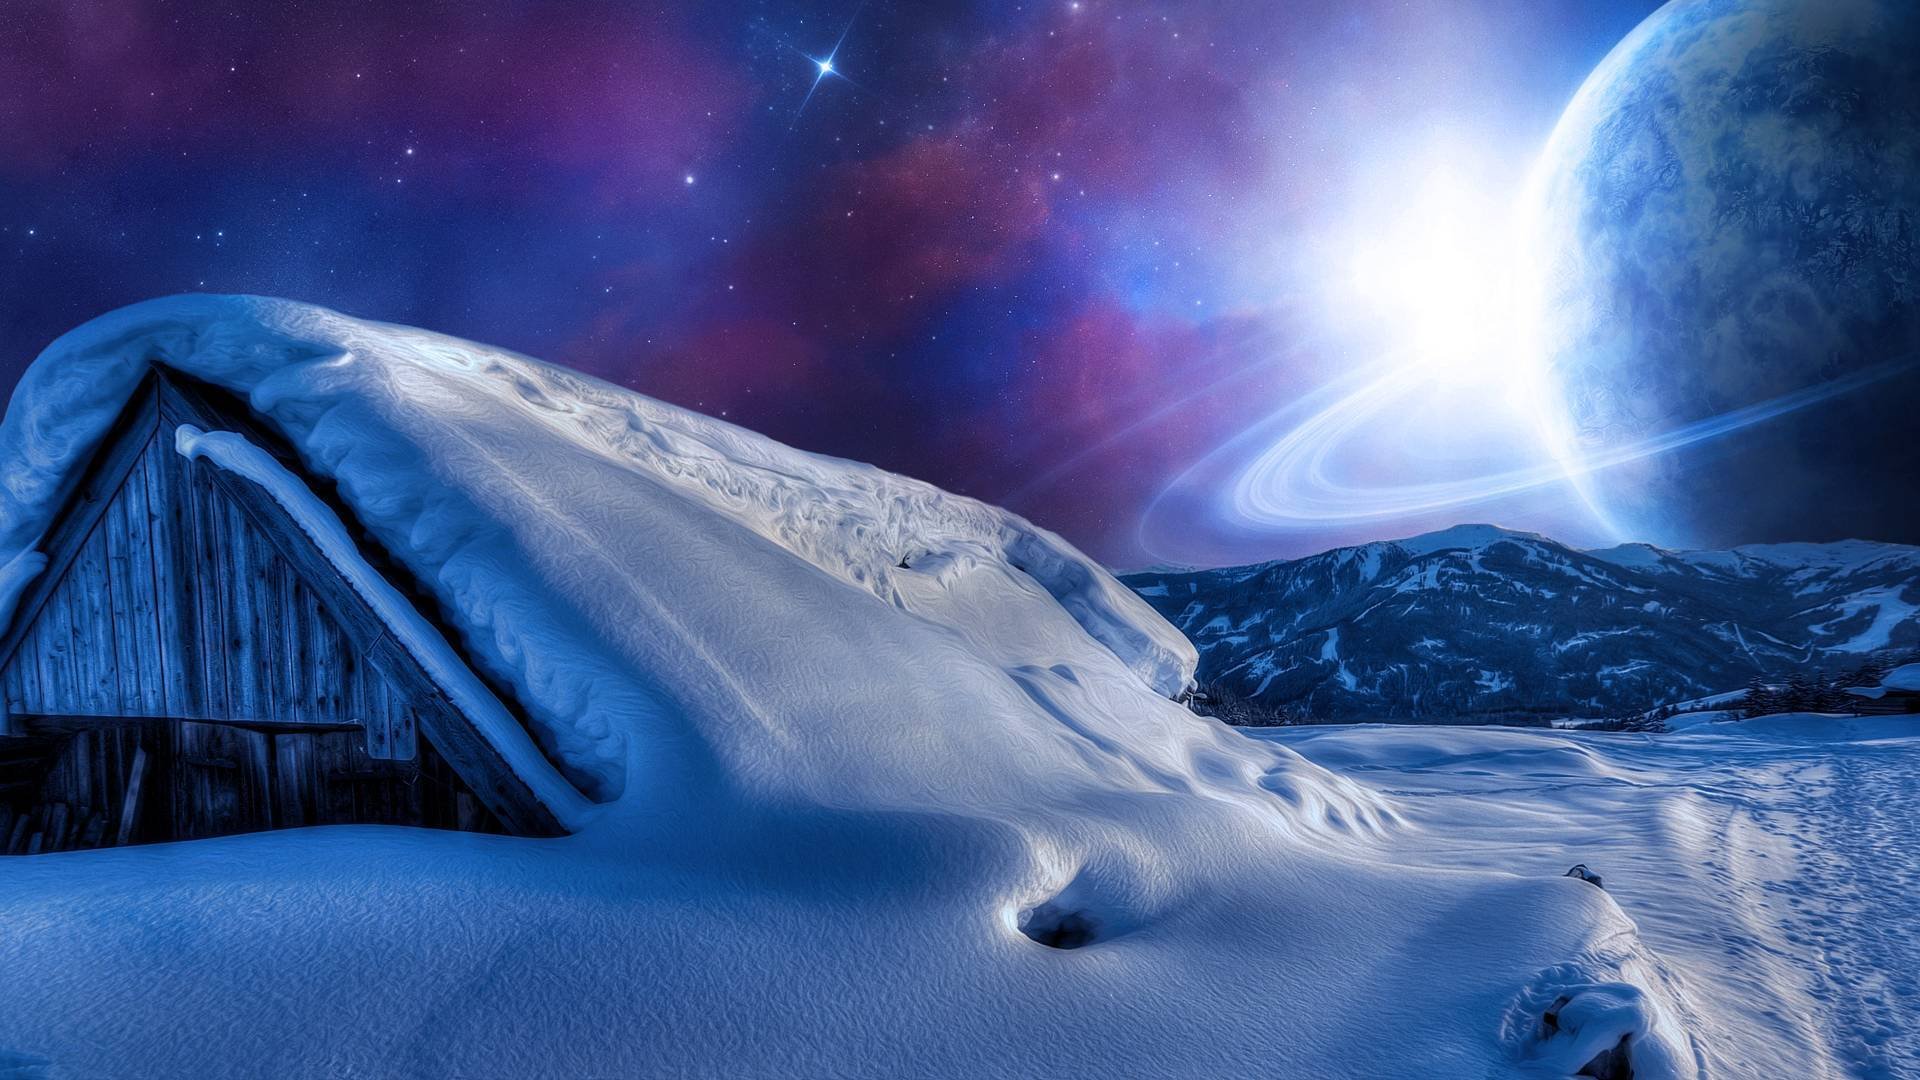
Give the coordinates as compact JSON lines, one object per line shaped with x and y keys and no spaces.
{"x":860,"y":750}
{"x":1580,"y":871}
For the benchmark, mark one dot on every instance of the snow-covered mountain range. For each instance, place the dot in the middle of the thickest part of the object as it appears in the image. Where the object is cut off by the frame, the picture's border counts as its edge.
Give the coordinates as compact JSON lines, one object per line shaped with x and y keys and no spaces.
{"x":1482,"y":621}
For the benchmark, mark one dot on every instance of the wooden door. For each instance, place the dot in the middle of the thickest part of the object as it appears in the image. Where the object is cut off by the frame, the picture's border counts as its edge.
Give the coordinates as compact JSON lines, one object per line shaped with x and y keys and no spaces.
{"x":222,"y":781}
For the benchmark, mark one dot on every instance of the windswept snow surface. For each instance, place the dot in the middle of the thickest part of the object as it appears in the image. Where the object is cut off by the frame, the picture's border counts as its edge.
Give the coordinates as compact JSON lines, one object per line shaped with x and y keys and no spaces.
{"x":861,"y":745}
{"x":1772,"y":865}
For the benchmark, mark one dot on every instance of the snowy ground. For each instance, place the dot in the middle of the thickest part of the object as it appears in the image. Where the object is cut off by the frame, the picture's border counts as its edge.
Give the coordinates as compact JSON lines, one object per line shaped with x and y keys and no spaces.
{"x":886,"y":782}
{"x":1773,"y":866}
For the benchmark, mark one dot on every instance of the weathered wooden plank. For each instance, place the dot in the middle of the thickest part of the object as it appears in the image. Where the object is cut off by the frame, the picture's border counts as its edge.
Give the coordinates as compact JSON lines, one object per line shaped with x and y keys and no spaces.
{"x":13,"y":694}
{"x":242,"y":579}
{"x":270,"y":628}
{"x":55,"y":829}
{"x":350,"y":682}
{"x":105,"y":778}
{"x":141,"y":595}
{"x":127,"y":629}
{"x":211,"y":568}
{"x":58,"y":674}
{"x":113,"y":766}
{"x":94,"y":647}
{"x":333,"y":767}
{"x":290,"y":666}
{"x":68,"y":723}
{"x":46,"y":673}
{"x":404,"y":731}
{"x":293,"y":775}
{"x":79,"y":760}
{"x":82,"y":653}
{"x":255,"y":788}
{"x":27,"y":661}
{"x":36,"y":667}
{"x":75,"y":689}
{"x":326,"y":660}
{"x":170,"y":533}
{"x":378,"y":713}
{"x":478,"y":763}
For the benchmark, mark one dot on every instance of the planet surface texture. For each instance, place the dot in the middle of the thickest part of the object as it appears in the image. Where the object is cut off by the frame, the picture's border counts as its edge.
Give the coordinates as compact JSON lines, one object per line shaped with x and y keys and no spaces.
{"x":1727,"y":216}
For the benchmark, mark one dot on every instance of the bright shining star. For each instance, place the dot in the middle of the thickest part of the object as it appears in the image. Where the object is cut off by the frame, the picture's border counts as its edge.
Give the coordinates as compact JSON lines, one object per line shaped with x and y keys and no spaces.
{"x":1437,"y":265}
{"x":823,"y":66}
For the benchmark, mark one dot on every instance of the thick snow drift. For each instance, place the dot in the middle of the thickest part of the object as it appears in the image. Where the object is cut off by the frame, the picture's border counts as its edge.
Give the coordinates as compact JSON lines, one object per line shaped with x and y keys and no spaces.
{"x":1772,"y":863}
{"x":890,"y":785}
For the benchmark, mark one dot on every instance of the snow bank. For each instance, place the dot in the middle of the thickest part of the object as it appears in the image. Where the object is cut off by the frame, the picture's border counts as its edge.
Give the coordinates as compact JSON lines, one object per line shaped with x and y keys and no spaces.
{"x":1905,"y":677}
{"x":1823,"y":727}
{"x":892,"y":783}
{"x":1770,"y":867}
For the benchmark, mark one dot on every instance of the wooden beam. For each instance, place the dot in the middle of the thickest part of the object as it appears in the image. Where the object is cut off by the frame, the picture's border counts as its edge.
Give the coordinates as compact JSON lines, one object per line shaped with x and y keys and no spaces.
{"x":497,"y":786}
{"x":130,"y":809}
{"x":68,"y":723}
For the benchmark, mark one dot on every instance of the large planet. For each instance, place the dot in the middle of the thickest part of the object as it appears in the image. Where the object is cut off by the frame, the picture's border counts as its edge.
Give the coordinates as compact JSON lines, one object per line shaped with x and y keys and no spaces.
{"x":1726,"y":244}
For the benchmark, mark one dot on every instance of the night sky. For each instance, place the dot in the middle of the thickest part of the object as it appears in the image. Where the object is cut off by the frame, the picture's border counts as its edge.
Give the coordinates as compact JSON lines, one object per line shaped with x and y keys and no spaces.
{"x":1047,"y":254}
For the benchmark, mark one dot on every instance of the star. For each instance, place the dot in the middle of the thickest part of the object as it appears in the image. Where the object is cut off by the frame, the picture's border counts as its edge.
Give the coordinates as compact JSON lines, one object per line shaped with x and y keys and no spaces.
{"x":824,"y":67}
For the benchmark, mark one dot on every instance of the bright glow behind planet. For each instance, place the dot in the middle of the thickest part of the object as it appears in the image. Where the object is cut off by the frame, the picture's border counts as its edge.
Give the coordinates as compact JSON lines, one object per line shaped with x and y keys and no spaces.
{"x":1440,"y":272}
{"x":1455,"y":408}
{"x":1449,"y":410}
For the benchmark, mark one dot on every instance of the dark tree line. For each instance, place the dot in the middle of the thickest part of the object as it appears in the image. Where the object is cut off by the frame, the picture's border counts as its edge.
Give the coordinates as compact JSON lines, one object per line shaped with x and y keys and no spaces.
{"x":1816,"y":693}
{"x":1229,"y":706}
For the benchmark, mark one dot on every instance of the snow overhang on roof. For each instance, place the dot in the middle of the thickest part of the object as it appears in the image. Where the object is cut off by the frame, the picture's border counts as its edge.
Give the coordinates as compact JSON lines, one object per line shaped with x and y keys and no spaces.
{"x":604,"y":556}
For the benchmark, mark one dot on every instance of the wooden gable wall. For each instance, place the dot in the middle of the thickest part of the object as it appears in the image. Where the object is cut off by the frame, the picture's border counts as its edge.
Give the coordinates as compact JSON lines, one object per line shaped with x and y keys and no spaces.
{"x":176,"y":591}
{"x":175,"y":604}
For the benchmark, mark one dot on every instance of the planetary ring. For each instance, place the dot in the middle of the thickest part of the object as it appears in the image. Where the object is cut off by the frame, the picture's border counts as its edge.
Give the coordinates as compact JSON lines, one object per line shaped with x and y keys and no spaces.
{"x":1289,"y":483}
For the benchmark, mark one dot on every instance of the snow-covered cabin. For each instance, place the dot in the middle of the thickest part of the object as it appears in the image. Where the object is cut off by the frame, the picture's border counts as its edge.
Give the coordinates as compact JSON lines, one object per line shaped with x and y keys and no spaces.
{"x":192,"y":662}
{"x":1898,"y":692}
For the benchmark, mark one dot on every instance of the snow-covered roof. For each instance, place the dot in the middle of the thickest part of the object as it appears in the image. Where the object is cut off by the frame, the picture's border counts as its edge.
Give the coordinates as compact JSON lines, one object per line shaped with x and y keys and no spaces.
{"x":1906,"y":677}
{"x":649,"y":581}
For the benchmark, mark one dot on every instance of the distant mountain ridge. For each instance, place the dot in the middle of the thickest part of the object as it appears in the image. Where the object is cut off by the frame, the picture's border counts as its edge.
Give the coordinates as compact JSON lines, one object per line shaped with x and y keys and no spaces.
{"x":1480,"y":621}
